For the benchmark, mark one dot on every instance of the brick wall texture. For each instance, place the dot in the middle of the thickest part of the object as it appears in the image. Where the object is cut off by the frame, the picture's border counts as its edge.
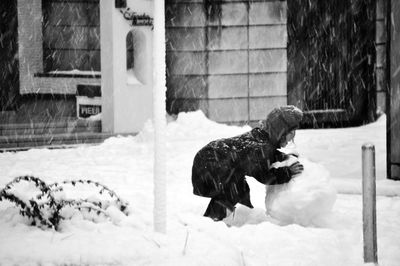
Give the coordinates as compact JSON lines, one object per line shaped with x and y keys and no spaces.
{"x":226,"y":58}
{"x":30,"y":39}
{"x":381,"y":41}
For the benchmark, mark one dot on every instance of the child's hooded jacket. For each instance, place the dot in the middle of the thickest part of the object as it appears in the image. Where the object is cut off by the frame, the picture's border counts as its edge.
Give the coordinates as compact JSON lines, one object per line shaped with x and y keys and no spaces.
{"x":219,"y":168}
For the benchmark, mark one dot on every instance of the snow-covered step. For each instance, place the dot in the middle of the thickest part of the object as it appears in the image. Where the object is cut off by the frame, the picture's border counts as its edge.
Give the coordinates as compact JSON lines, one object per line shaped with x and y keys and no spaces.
{"x":22,"y":142}
{"x":40,"y":128}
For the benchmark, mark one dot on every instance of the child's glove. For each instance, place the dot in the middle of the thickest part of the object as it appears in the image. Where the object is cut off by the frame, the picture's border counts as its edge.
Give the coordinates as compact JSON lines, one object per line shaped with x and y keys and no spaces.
{"x":286,"y":170}
{"x":296,"y":169}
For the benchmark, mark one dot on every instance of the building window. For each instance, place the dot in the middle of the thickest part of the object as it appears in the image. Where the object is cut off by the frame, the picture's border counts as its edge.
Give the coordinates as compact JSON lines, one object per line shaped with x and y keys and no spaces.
{"x":71,"y":35}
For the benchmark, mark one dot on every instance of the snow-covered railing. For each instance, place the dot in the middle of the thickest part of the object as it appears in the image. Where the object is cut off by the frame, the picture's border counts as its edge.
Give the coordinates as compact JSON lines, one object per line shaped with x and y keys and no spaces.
{"x":44,"y":203}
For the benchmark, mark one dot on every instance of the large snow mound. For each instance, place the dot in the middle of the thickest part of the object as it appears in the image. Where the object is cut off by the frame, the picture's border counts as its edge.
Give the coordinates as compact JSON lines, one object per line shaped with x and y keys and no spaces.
{"x":306,"y":200}
{"x":191,"y":126}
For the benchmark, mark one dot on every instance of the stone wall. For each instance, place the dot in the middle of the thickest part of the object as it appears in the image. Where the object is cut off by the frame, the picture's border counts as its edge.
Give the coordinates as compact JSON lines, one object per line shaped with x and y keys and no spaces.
{"x":226,"y":58}
{"x":30,"y":41}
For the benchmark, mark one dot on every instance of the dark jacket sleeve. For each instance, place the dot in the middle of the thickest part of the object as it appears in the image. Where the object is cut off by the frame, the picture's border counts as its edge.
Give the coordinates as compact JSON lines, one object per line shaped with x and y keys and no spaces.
{"x":258,"y":166}
{"x":277,"y":176}
{"x":272,"y":176}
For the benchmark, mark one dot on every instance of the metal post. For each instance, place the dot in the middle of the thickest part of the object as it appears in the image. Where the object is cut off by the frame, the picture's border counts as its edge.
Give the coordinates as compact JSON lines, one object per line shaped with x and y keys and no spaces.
{"x":369,"y":203}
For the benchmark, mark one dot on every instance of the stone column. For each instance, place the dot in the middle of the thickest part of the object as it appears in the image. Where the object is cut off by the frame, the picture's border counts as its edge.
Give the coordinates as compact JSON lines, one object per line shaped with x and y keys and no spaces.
{"x":126,"y":93}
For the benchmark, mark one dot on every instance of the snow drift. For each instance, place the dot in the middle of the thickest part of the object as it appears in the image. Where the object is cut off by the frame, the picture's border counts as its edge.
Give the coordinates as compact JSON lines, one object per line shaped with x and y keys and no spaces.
{"x":125,"y":164}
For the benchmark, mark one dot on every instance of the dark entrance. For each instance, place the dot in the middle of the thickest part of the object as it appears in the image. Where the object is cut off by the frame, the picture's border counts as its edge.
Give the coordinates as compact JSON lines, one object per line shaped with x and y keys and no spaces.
{"x":331,"y":57}
{"x":9,"y":68}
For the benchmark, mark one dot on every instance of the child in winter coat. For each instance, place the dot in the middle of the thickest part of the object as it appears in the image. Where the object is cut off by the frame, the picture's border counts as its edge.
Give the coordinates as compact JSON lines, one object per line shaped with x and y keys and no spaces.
{"x":219,"y":168}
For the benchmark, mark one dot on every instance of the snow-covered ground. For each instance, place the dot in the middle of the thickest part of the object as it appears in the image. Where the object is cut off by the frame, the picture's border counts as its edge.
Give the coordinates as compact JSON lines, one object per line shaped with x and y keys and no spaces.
{"x":124,"y":164}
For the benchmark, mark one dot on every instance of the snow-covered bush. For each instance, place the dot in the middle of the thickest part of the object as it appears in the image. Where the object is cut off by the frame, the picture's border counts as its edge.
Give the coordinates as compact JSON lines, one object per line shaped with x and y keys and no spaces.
{"x":45,"y":204}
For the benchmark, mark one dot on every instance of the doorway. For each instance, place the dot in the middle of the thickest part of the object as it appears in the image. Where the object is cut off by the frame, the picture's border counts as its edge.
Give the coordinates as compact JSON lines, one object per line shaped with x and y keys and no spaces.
{"x":331,"y":60}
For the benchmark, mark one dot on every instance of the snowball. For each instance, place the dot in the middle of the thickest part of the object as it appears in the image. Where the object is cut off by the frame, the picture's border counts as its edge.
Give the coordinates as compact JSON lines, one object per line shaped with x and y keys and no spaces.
{"x":307,"y":198}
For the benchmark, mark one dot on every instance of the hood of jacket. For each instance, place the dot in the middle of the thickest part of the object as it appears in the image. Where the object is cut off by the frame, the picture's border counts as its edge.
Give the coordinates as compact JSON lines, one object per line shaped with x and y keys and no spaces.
{"x":281,"y":121}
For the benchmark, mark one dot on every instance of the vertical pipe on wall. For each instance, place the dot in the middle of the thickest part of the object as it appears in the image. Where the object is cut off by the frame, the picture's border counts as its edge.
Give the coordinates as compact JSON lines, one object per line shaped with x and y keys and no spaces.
{"x":248,"y":61}
{"x":388,"y":85}
{"x":207,"y":7}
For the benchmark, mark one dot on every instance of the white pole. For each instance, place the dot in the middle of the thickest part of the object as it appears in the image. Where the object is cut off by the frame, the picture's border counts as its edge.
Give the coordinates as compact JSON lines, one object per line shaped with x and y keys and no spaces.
{"x":369,"y":203}
{"x":159,"y":119}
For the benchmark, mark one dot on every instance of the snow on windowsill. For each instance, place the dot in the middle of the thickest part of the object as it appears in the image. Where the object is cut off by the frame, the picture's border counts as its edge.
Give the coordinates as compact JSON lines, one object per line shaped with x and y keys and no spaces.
{"x":325,"y":111}
{"x":93,"y":118}
{"x":70,"y":73}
